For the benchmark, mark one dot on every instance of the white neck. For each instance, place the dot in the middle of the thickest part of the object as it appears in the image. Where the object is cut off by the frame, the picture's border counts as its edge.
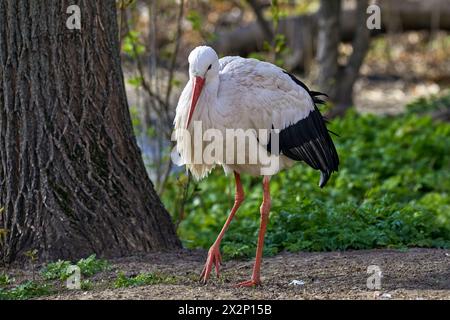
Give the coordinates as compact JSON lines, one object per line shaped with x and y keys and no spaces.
{"x":205,"y":111}
{"x":207,"y":103}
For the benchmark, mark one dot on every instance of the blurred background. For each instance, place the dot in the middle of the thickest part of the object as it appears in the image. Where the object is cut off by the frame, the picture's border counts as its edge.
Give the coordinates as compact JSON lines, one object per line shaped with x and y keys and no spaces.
{"x":389,"y":101}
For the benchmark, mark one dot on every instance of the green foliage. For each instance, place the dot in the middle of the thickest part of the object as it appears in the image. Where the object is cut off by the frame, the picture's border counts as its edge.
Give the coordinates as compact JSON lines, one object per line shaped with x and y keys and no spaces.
{"x":424,"y":104}
{"x":195,"y":19}
{"x":135,"y":81}
{"x":197,"y":22}
{"x":132,"y":44}
{"x":88,"y":267}
{"x":32,"y":255}
{"x":276,"y":13}
{"x":392,"y":190}
{"x":277,"y":50}
{"x":27,"y":290}
{"x":86,"y":285}
{"x":5,"y":279}
{"x":136,"y":120}
{"x":91,"y":265}
{"x":142,"y":279}
{"x":56,"y":270}
{"x":123,"y":4}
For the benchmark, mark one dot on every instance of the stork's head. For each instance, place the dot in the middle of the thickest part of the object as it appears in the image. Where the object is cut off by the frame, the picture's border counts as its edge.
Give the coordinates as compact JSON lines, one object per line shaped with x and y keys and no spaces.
{"x":203,"y":67}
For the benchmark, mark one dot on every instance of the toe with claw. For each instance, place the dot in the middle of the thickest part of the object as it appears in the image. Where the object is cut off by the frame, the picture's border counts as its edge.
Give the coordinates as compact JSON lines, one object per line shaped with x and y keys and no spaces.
{"x":214,"y":259}
{"x":249,"y":283}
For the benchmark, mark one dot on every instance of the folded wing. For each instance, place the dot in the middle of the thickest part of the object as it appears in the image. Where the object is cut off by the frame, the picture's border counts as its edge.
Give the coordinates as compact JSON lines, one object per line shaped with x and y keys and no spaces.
{"x":259,"y":95}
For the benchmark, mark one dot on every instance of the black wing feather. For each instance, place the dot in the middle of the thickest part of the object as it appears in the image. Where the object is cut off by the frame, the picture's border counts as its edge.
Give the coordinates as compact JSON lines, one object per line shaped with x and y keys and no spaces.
{"x":309,"y":140}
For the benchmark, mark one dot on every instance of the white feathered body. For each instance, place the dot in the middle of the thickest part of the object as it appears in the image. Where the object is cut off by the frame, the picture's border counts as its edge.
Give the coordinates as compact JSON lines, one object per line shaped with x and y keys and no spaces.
{"x":247,"y":94}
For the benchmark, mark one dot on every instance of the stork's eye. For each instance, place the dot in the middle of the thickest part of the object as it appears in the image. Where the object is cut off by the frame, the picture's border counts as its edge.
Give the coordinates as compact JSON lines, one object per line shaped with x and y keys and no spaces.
{"x":209,"y":68}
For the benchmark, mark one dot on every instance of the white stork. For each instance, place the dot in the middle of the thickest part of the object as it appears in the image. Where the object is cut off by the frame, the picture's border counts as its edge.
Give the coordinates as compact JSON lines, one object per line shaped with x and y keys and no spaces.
{"x":239,"y":93}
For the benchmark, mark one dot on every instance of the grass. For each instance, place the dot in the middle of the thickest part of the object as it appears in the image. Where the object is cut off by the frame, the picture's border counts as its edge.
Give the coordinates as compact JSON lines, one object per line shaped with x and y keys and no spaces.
{"x":88,"y":267}
{"x":26,"y":290}
{"x":142,"y":279}
{"x":53,"y":275}
{"x":5,"y":279}
{"x":52,"y":278}
{"x":392,"y":190}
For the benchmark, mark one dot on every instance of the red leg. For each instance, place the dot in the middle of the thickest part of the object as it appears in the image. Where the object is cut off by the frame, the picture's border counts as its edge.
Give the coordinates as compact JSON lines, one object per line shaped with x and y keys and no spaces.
{"x":214,"y":257}
{"x":265,"y":210}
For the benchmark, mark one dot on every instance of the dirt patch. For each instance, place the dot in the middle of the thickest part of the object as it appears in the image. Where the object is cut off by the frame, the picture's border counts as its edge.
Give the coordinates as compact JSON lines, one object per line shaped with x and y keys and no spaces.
{"x":411,"y":274}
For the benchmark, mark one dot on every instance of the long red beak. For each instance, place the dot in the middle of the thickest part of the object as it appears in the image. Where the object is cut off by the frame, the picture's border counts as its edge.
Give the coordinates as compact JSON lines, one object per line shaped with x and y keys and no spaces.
{"x":198,"y":86}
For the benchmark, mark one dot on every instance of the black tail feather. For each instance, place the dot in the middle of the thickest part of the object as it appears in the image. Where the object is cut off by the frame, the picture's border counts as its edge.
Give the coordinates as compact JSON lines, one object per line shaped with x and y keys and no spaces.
{"x":324,"y":177}
{"x":309,"y":139}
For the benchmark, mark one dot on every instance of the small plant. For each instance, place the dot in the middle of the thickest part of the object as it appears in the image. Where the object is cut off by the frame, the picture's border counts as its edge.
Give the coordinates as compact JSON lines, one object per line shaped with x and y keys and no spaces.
{"x":275,"y":51}
{"x":5,"y":279}
{"x":142,"y":279}
{"x":88,"y":267}
{"x":26,"y":290}
{"x":56,"y":270}
{"x":87,"y":285}
{"x":32,"y":256}
{"x":91,"y":265}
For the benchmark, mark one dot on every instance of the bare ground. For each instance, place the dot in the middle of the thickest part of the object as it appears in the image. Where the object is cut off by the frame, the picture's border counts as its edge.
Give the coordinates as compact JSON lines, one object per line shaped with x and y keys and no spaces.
{"x":411,"y":274}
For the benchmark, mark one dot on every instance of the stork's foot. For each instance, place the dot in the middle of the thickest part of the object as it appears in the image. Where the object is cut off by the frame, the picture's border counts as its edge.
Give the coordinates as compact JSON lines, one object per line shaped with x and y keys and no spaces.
{"x":214,"y":259}
{"x":249,"y":283}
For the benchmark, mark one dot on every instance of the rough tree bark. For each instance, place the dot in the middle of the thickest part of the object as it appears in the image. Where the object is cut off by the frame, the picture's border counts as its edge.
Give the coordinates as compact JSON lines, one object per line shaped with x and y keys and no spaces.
{"x":72,"y":180}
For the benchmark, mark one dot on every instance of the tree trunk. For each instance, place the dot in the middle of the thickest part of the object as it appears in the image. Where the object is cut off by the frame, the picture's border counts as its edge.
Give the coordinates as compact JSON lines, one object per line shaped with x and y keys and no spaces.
{"x":343,"y":94}
{"x":328,"y":44}
{"x":336,"y":80}
{"x":72,"y":180}
{"x":263,"y":24}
